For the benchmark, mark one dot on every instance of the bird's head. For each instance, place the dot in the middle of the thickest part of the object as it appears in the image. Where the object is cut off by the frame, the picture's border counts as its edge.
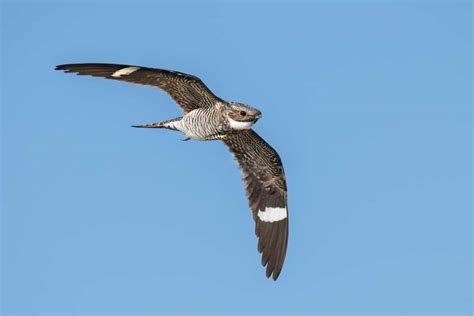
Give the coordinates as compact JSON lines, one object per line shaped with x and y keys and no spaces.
{"x":241,"y":116}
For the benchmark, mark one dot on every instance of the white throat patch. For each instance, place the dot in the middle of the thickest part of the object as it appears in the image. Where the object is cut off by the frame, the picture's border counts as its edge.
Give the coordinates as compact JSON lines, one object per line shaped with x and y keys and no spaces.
{"x":272,"y":214}
{"x":239,"y":125}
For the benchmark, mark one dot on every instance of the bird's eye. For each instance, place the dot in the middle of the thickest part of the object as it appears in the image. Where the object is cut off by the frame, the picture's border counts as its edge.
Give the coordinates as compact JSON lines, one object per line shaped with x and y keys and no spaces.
{"x":243,"y":113}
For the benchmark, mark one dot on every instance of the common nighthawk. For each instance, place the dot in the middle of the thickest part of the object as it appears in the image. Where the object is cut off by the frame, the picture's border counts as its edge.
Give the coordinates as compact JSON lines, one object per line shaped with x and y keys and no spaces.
{"x":207,"y":117}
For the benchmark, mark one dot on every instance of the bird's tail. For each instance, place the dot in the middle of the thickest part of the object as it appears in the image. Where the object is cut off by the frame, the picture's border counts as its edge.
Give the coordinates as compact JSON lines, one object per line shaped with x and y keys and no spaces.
{"x":173,"y":124}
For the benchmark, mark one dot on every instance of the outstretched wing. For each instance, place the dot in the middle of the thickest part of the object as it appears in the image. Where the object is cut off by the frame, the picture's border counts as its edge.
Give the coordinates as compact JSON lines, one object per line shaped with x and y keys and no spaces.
{"x":188,"y":91}
{"x":265,"y":184}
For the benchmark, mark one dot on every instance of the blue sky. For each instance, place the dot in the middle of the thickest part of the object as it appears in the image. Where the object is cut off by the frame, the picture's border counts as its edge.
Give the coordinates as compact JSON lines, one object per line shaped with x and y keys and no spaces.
{"x":368,"y":103}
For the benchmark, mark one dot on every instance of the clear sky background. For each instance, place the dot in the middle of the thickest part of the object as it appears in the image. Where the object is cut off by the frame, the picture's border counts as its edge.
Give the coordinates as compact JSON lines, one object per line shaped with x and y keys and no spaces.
{"x":368,"y":103}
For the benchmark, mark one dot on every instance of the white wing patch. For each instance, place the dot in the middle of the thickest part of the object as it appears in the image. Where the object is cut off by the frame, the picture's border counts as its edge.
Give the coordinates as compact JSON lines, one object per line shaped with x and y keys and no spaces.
{"x":125,"y":71}
{"x":272,"y":214}
{"x":239,"y":125}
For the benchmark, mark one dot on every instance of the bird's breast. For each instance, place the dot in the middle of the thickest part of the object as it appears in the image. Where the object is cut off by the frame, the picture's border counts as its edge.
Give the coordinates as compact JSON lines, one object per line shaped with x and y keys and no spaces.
{"x":202,"y":124}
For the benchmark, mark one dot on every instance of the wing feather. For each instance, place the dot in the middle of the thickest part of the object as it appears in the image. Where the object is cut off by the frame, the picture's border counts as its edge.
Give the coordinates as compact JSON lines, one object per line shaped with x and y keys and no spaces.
{"x":188,"y":91}
{"x":265,"y":185}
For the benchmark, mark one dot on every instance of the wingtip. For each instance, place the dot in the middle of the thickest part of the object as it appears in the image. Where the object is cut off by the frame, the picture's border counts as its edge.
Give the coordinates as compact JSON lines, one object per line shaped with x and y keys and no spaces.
{"x":276,"y":274}
{"x":273,"y":275}
{"x":60,"y":67}
{"x":67,"y":67}
{"x":64,"y":68}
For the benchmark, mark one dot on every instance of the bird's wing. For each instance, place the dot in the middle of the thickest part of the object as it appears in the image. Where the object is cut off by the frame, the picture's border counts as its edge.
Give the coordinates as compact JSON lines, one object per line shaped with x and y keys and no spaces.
{"x":265,"y":184}
{"x":188,"y":91}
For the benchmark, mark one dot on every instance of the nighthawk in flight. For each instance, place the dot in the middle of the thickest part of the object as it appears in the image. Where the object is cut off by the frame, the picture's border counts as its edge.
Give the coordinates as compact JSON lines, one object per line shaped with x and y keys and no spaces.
{"x":207,"y":117}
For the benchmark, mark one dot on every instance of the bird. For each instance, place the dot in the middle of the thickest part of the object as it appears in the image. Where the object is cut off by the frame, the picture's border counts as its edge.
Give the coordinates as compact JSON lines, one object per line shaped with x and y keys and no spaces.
{"x":208,"y":117}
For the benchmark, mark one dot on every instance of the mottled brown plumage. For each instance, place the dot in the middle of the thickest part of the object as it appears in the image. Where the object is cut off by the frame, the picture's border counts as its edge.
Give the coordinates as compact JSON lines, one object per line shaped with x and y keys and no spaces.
{"x":265,"y":185}
{"x":207,"y":117}
{"x":188,"y":91}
